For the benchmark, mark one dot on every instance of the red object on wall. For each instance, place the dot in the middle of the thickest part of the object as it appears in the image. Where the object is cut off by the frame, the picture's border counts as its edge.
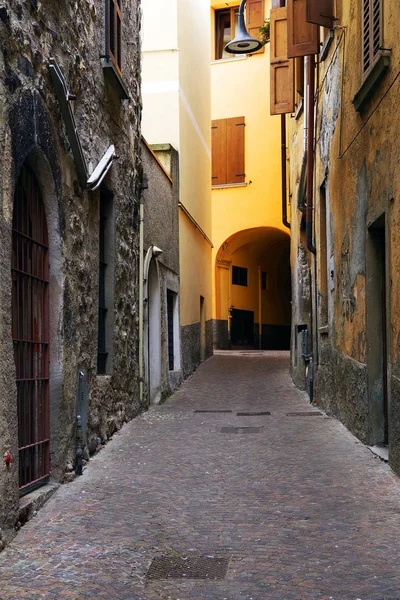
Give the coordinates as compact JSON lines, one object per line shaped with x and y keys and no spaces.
{"x":7,"y":458}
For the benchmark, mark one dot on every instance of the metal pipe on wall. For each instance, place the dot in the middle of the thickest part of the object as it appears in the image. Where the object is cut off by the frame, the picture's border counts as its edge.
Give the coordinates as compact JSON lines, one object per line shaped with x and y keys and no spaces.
{"x":310,"y":154}
{"x":283,"y":170}
{"x":143,"y":187}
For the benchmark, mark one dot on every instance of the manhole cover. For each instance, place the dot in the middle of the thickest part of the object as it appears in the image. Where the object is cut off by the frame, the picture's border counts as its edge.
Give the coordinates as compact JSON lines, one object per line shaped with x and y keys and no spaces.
{"x":241,"y":429}
{"x":304,"y":414}
{"x":177,"y":567}
{"x":213,"y":411}
{"x":253,"y":414}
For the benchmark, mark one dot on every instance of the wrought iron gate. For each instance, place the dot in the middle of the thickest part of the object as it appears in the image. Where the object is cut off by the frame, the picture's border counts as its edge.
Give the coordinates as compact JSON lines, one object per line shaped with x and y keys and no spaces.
{"x":30,"y":326}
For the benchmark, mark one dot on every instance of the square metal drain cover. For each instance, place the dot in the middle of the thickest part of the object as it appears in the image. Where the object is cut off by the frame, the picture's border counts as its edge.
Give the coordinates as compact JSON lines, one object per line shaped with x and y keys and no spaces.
{"x":304,"y":414}
{"x":213,"y":411}
{"x":241,"y":429}
{"x":253,"y":414}
{"x":177,"y":567}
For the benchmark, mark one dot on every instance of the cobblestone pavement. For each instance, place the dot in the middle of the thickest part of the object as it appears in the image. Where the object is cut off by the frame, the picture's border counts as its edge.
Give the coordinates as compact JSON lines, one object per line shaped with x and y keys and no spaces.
{"x":299,"y":508}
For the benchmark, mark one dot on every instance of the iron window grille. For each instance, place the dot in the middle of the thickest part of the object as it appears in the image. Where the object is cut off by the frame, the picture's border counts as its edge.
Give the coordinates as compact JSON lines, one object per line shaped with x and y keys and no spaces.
{"x":30,"y":330}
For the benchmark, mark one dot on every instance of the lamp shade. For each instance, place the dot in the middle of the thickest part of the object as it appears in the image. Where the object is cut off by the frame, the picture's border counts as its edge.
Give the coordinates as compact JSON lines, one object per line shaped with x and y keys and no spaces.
{"x":243,"y":43}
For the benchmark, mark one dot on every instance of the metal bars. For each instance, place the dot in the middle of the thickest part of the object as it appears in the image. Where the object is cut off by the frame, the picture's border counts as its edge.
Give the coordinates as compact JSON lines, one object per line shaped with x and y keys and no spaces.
{"x":30,"y":329}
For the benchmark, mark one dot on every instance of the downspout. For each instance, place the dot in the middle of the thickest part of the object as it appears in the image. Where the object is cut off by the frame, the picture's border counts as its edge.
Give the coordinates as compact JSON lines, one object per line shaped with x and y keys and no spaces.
{"x":283,"y":162}
{"x":144,"y":186}
{"x":310,"y":155}
{"x":259,"y":309}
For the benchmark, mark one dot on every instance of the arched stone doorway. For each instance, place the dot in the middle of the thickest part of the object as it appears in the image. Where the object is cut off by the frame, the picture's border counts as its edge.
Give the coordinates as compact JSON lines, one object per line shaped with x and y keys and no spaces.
{"x":253,"y":290}
{"x":30,"y":329}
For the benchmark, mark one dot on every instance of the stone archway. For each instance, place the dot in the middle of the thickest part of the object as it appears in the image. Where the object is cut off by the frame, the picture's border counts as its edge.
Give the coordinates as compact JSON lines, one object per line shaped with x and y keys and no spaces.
{"x":253,"y":290}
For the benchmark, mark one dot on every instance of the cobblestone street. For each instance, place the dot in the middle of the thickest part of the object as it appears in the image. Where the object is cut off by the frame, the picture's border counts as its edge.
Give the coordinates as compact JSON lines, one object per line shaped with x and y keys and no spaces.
{"x":293,"y":505}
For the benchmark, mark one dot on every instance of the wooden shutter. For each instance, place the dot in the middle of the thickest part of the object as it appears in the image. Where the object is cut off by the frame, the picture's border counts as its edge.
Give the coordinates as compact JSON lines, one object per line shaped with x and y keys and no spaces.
{"x":282,"y":70}
{"x":372,"y":31}
{"x":235,"y":150}
{"x":218,"y":162}
{"x":303,"y":37}
{"x":255,"y":19}
{"x":320,"y":12}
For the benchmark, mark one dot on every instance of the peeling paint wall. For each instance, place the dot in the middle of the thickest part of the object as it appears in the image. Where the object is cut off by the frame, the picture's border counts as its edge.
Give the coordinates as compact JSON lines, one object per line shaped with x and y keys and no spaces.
{"x":32,"y":132}
{"x":357,"y":156}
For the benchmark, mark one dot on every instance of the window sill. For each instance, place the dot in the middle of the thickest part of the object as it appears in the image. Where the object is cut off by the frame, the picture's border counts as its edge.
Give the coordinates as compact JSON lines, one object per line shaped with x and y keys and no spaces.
{"x":228,"y":185}
{"x":326,"y":45}
{"x":372,"y":80}
{"x":115,"y":79}
{"x":218,"y":61}
{"x":323,"y":330}
{"x":299,"y":110}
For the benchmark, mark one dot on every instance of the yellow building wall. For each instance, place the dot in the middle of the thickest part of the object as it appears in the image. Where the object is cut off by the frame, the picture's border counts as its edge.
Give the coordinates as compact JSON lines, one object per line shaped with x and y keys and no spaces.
{"x":240,"y":87}
{"x":176,"y":99}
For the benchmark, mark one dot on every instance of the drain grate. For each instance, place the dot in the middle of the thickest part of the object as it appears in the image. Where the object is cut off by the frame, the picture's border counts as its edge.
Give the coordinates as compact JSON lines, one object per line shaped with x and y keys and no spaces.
{"x":304,"y":414}
{"x":213,"y":411}
{"x":241,"y":429}
{"x":177,"y":567}
{"x":253,"y":414}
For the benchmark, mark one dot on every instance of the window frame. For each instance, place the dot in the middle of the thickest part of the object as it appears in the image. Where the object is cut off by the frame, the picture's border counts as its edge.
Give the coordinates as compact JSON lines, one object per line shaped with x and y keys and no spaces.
{"x":114,"y":17}
{"x":238,"y":274}
{"x":219,"y":32}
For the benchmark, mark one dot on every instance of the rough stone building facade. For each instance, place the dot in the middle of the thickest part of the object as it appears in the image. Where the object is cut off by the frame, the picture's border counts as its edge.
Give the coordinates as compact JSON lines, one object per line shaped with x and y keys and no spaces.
{"x":345,"y":217}
{"x":70,"y":119}
{"x":161,"y":342}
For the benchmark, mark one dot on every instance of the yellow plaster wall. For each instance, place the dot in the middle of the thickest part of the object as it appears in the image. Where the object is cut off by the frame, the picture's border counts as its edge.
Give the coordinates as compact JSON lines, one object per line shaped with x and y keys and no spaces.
{"x":176,"y":99}
{"x":240,"y":87}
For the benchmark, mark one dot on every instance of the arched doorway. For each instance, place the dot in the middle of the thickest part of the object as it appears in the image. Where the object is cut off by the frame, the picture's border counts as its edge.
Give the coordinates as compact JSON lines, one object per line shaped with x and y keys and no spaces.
{"x":30,"y":329}
{"x":253,"y":290}
{"x":154,"y":335}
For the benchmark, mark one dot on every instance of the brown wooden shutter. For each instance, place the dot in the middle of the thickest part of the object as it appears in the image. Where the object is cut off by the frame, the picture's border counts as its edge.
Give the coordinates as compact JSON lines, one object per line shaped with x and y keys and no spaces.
{"x":303,"y":37}
{"x":372,"y":31}
{"x":218,"y":147}
{"x":282,"y":69}
{"x":255,"y":19}
{"x":320,"y":12}
{"x":235,"y":150}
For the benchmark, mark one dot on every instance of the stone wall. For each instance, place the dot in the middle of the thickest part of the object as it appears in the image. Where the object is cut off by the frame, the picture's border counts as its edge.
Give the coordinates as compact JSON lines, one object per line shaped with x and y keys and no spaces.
{"x":32,"y":132}
{"x":161,"y":230}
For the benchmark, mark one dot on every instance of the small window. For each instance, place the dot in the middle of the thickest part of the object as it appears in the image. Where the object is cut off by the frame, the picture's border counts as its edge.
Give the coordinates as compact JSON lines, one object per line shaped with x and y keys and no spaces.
{"x":239,"y":276}
{"x":228,"y":151}
{"x":106,"y":284}
{"x":372,"y":32}
{"x":113,"y":32}
{"x":171,"y":307}
{"x":226,"y":22}
{"x":264,"y":281}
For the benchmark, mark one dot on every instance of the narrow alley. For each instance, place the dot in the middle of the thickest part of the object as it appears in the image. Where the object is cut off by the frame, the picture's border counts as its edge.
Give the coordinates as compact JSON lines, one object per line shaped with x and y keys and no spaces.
{"x":235,"y":488}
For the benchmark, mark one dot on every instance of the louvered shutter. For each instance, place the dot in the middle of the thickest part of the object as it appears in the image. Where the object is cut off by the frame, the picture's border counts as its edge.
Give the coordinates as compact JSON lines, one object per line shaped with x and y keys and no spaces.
{"x":282,"y":69}
{"x":303,"y":37}
{"x":372,"y":31}
{"x":320,"y":12}
{"x":255,"y":19}
{"x":218,"y":141}
{"x":235,"y":150}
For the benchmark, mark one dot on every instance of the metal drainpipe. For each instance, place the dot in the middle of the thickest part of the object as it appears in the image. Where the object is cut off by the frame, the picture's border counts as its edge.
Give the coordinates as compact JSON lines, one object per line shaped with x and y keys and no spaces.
{"x":283,"y":162}
{"x":144,"y":186}
{"x":310,"y":156}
